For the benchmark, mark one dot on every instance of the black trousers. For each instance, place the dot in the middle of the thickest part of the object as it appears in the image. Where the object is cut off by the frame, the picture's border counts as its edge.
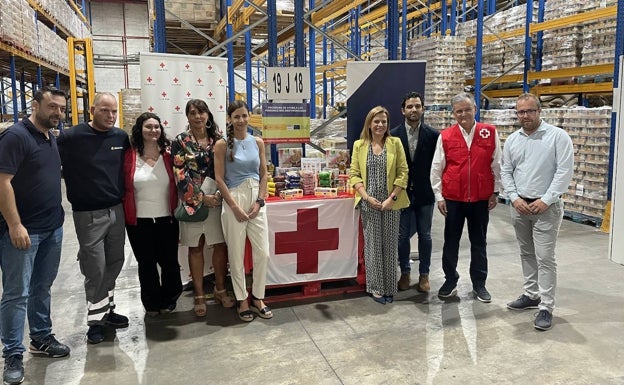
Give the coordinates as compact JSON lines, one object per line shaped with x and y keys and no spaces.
{"x":477,"y":215}
{"x":154,"y":242}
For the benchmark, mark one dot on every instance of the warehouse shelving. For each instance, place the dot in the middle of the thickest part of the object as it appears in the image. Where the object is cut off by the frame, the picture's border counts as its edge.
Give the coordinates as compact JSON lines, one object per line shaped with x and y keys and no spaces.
{"x":24,"y":66}
{"x":529,"y":81}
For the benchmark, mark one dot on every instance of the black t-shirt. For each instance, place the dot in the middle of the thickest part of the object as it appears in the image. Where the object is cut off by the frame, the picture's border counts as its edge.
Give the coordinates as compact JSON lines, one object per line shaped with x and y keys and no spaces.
{"x":93,"y":166}
{"x":34,"y":162}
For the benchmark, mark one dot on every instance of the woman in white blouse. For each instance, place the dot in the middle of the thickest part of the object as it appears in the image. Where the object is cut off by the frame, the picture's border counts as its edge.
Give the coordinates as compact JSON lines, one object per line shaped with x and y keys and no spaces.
{"x":150,"y":200}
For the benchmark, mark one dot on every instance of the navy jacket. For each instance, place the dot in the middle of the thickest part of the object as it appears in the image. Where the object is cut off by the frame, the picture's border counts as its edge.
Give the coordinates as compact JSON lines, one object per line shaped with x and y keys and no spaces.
{"x":419,"y":184}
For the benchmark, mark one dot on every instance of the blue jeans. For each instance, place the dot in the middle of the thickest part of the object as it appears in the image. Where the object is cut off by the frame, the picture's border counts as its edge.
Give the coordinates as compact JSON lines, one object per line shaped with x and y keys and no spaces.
{"x":27,"y":276}
{"x":415,"y":219}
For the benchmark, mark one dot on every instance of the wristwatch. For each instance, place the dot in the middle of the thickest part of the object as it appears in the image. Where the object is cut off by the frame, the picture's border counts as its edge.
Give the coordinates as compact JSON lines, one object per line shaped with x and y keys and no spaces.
{"x":260,"y":202}
{"x":394,"y":197}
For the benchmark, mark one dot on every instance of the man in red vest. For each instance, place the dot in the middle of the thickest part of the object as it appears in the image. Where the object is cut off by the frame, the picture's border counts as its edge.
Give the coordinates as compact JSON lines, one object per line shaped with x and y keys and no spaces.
{"x":465,"y":178}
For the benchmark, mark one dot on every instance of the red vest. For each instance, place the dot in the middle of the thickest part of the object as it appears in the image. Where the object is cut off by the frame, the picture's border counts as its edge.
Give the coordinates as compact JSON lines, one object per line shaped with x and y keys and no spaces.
{"x":468,"y":176}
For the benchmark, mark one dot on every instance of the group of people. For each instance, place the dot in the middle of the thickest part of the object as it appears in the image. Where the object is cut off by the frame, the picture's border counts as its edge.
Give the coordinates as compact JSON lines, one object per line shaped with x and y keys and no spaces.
{"x":118,"y":184}
{"x":140,"y":184}
{"x":401,"y":174}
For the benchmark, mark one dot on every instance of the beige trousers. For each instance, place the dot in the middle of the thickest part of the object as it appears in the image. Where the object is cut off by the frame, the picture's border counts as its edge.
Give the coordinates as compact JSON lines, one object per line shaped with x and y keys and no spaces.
{"x":236,"y":233}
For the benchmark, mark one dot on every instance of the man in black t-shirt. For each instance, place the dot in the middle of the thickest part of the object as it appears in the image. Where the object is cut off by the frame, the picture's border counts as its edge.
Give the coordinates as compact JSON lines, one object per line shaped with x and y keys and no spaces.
{"x":92,"y":155}
{"x":31,"y":231}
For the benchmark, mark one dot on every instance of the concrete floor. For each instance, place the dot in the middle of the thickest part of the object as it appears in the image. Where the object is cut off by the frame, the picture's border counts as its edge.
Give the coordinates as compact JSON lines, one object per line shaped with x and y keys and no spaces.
{"x":352,"y":340}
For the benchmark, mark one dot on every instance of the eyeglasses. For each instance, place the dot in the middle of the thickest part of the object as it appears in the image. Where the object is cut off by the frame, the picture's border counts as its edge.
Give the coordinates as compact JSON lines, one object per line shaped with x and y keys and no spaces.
{"x":525,"y":112}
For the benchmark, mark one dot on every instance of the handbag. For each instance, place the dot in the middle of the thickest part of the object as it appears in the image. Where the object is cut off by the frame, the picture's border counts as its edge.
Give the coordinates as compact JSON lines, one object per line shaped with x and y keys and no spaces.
{"x":182,"y":215}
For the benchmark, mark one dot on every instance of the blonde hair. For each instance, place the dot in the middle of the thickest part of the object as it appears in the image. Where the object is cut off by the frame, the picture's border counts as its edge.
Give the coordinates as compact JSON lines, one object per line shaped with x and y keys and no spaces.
{"x":366,"y":131}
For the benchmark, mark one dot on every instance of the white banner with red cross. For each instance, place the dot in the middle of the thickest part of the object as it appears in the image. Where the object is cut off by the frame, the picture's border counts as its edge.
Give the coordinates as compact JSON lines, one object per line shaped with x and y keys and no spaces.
{"x":312,"y":240}
{"x":169,"y":81}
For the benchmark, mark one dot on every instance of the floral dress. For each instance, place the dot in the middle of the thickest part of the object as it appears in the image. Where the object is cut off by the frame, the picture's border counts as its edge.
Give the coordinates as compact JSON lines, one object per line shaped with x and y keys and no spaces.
{"x":191,"y":164}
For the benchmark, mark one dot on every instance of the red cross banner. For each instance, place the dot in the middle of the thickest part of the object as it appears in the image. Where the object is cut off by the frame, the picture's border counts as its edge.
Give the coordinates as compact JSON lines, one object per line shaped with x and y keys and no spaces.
{"x":169,"y":81}
{"x":312,"y":240}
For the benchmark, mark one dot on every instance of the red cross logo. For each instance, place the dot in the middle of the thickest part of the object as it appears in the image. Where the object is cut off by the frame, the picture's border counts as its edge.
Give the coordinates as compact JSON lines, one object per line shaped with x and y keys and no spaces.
{"x":150,"y":109}
{"x":187,"y":66}
{"x":199,"y":80}
{"x":164,"y":94}
{"x":149,"y":79}
{"x":175,"y":80}
{"x":177,"y":108}
{"x":162,"y":65}
{"x":220,"y":106}
{"x":188,"y":94}
{"x":209,"y":68}
{"x":165,"y":123}
{"x":220,"y":81}
{"x":307,"y":241}
{"x":484,"y":133}
{"x":210,"y":94}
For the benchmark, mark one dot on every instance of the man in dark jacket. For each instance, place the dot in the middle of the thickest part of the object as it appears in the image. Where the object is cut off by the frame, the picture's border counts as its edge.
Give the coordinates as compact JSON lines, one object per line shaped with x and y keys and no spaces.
{"x":419,"y":141}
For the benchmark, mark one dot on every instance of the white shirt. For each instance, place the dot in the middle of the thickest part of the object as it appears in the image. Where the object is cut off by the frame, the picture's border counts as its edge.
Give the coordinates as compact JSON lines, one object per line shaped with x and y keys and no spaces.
{"x":540,"y":165}
{"x":412,"y":139}
{"x":151,"y":189}
{"x":439,"y":162}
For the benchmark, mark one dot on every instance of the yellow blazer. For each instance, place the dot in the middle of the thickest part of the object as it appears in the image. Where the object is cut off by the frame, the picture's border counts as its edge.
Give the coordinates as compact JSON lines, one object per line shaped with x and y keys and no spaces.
{"x":396,"y":169}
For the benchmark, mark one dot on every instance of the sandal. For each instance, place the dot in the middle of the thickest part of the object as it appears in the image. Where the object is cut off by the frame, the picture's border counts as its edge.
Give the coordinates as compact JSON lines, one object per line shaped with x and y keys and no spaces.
{"x":264,"y":312}
{"x":245,"y":315}
{"x":222,"y":297}
{"x":200,"y":308}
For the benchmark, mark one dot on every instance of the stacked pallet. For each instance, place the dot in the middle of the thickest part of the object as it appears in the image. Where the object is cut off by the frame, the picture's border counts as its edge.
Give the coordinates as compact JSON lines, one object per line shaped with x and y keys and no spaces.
{"x":64,"y":16}
{"x":20,"y":29}
{"x":589,"y":129}
{"x":598,"y":42}
{"x":446,"y":62}
{"x":194,"y":11}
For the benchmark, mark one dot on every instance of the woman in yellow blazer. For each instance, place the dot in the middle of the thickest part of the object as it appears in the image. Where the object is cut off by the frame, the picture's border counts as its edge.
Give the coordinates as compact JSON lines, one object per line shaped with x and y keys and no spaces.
{"x":379,"y":176}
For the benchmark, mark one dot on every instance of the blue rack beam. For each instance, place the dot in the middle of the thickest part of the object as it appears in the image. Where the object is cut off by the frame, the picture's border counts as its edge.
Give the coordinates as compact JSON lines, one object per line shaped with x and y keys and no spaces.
{"x":160,"y":34}
{"x":272,"y":32}
{"x":527,"y":46}
{"x":479,"y":58}
{"x":312,"y":54}
{"x":393,"y":30}
{"x":619,"y":52}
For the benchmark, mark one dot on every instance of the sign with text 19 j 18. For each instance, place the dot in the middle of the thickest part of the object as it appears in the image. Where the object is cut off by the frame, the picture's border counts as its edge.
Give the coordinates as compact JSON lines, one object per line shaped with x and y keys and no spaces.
{"x":286,"y":122}
{"x":288,"y":83}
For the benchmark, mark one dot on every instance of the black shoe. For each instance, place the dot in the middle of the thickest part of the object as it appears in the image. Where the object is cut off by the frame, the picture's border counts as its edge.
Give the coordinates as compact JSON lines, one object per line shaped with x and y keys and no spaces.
{"x":378,"y":298}
{"x":116,"y":320}
{"x":482,"y":294}
{"x":95,"y":335}
{"x":48,"y":346}
{"x":168,"y":308}
{"x":448,"y":289}
{"x":523,"y":302}
{"x":13,"y":369}
{"x":543,"y":321}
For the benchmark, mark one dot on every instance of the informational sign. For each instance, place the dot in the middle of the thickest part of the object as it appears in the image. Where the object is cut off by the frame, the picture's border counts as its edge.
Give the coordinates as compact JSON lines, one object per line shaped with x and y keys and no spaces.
{"x":288,"y":83}
{"x":169,"y":81}
{"x":286,"y":122}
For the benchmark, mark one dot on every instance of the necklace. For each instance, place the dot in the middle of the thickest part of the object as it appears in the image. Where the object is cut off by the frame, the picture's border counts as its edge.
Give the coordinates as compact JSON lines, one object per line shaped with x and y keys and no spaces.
{"x":206,"y":141}
{"x":242,"y":143}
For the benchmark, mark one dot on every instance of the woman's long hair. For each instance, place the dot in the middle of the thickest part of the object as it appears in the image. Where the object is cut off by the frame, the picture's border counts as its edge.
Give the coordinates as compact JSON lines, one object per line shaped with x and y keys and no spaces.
{"x":136,"y":139}
{"x":235,"y":105}
{"x":212,"y":130}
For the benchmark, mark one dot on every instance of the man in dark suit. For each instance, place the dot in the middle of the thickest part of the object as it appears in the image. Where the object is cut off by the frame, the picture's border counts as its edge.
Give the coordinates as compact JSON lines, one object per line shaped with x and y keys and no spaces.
{"x":419,"y":142}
